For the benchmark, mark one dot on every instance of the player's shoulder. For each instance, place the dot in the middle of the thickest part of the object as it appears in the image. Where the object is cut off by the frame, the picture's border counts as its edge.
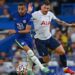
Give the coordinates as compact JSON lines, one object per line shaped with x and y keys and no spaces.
{"x":50,"y":13}
{"x":27,"y":14}
{"x":35,"y":13}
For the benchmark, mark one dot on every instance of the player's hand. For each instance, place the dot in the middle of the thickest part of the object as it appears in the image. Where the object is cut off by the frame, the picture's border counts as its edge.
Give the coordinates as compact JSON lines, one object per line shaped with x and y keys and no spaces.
{"x":72,"y":25}
{"x":30,"y":7}
{"x":11,"y":31}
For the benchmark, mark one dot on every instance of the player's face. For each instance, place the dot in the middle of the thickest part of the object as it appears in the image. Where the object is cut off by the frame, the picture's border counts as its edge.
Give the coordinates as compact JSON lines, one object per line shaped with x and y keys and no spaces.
{"x":21,"y":10}
{"x":45,"y":9}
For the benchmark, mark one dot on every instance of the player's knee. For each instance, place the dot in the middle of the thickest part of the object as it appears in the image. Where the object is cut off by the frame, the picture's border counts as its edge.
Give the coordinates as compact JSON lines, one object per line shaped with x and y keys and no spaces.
{"x":60,"y":50}
{"x":26,"y":48}
{"x":46,"y":59}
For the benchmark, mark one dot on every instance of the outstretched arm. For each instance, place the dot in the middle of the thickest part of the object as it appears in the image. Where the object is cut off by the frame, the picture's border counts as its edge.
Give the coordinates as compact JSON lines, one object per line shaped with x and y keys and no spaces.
{"x":27,"y":30}
{"x":63,"y":23}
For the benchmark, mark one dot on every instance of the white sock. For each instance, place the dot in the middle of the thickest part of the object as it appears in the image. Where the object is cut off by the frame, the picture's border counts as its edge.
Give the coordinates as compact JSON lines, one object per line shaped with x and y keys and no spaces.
{"x":35,"y":59}
{"x":36,"y":70}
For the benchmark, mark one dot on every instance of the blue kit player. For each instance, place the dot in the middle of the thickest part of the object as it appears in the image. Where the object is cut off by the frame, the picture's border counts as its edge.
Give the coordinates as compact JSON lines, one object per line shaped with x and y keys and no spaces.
{"x":23,"y":27}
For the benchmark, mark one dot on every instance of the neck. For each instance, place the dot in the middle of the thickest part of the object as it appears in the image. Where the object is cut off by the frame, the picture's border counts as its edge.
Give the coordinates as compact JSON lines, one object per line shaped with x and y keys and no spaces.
{"x":43,"y":12}
{"x":23,"y":14}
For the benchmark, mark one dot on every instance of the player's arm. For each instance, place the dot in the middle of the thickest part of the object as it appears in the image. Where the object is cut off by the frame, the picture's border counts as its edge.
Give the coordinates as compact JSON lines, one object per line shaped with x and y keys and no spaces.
{"x":60,"y":22}
{"x":63,"y":23}
{"x":27,"y":30}
{"x":28,"y":26}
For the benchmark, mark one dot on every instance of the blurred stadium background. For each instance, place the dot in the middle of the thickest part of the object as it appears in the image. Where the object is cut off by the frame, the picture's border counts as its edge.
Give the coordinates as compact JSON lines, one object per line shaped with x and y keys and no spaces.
{"x":64,"y":9}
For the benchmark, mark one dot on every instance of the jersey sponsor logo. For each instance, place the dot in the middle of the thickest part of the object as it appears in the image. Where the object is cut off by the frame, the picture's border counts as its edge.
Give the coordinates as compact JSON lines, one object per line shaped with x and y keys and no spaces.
{"x":20,"y":26}
{"x":45,"y":23}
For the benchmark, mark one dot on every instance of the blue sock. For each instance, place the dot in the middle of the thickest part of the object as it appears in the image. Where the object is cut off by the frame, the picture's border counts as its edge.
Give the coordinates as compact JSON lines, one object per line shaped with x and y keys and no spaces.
{"x":63,"y":61}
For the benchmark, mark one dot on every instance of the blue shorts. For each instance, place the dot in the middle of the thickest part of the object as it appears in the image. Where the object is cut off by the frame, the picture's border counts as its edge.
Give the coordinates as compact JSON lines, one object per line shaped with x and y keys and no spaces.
{"x":43,"y":45}
{"x":24,"y":42}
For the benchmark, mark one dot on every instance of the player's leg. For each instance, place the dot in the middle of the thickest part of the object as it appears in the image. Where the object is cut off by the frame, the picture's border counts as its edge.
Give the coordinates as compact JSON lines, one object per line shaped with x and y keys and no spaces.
{"x":60,"y":50}
{"x":30,"y":53}
{"x":55,"y":45}
{"x":42,"y":50}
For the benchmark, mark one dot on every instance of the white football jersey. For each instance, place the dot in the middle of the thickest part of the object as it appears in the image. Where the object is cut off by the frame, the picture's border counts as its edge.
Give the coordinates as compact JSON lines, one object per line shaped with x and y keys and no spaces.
{"x":42,"y":24}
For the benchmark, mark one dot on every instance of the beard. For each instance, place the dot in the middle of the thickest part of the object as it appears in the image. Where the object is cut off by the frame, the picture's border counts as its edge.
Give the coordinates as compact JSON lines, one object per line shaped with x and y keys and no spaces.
{"x":21,"y":14}
{"x":44,"y":12}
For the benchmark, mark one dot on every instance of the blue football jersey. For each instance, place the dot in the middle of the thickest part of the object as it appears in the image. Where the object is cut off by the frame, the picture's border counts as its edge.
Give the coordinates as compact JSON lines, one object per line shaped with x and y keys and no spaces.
{"x":21,"y":22}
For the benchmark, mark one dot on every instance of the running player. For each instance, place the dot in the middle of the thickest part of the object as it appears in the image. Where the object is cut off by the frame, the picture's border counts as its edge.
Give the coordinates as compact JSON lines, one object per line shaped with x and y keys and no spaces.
{"x":43,"y":37}
{"x":23,"y":26}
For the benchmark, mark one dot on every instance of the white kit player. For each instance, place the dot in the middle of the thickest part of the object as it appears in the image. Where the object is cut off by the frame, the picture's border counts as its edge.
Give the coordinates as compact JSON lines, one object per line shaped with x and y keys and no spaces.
{"x":43,"y":37}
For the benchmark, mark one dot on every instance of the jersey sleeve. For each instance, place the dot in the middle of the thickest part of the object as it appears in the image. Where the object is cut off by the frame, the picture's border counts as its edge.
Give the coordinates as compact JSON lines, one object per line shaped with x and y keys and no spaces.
{"x":54,"y":17}
{"x":34,"y":16}
{"x":30,"y":21}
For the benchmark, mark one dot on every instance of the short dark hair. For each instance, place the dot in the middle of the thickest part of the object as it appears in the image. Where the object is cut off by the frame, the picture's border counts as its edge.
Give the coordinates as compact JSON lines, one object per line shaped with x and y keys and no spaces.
{"x":21,"y":4}
{"x":46,"y":2}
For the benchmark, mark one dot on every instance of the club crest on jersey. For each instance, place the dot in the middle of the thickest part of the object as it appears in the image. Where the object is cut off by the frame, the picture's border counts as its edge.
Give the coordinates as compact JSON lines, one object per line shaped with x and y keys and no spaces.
{"x":45,"y":23}
{"x":24,"y":21}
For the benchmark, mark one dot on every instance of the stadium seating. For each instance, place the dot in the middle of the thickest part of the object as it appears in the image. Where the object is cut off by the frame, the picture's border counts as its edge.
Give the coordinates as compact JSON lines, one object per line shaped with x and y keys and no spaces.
{"x":12,"y":8}
{"x":6,"y":23}
{"x":68,"y":9}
